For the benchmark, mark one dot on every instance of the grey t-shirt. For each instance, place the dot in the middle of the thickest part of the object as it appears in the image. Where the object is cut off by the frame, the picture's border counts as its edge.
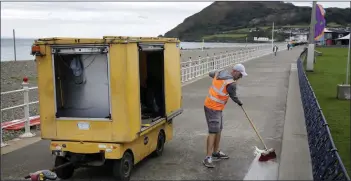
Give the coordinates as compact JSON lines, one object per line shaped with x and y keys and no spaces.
{"x":231,"y":88}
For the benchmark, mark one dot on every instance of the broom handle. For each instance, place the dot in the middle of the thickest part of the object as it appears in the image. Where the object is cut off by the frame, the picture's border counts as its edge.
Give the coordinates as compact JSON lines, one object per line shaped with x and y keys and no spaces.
{"x":253,"y":127}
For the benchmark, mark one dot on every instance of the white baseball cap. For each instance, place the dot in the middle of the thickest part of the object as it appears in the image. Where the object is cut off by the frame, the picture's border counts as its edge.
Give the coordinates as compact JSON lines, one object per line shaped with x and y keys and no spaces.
{"x":240,"y":67}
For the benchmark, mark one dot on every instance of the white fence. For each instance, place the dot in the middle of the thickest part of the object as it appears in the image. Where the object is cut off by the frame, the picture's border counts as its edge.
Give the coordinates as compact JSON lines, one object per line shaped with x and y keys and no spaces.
{"x":193,"y":69}
{"x":190,"y":70}
{"x":25,"y":105}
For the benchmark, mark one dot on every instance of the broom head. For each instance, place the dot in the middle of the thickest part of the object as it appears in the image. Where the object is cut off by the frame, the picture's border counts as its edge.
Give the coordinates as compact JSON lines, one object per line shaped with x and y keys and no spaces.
{"x":267,"y":155}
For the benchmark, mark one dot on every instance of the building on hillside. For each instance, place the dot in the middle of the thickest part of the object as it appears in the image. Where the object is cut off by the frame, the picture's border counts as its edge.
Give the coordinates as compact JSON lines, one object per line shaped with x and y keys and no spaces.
{"x":262,"y":39}
{"x":331,"y":36}
{"x":299,"y":37}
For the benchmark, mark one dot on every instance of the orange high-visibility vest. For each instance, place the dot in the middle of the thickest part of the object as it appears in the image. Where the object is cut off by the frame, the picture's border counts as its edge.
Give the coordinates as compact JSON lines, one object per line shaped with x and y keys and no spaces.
{"x":218,"y":95}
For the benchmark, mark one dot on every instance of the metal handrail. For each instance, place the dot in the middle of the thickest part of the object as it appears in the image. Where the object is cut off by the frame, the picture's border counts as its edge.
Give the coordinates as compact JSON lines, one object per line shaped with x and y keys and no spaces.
{"x":326,"y":161}
{"x":25,"y":104}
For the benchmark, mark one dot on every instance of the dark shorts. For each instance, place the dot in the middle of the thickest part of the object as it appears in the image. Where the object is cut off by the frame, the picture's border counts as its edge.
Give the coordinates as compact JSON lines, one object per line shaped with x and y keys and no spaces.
{"x":214,"y":120}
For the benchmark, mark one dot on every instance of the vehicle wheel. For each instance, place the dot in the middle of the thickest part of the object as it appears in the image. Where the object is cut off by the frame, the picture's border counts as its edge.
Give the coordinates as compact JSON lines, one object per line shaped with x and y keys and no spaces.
{"x":160,"y":145}
{"x":65,"y":172}
{"x":122,"y":168}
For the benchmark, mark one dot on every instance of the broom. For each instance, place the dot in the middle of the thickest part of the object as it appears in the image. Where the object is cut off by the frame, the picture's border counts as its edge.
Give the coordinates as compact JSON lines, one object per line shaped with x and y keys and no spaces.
{"x":268,"y":154}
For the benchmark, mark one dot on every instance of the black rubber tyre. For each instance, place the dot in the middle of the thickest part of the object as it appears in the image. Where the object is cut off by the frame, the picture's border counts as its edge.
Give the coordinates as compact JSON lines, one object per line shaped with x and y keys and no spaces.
{"x":65,"y":172}
{"x":160,"y":145}
{"x":122,"y":168}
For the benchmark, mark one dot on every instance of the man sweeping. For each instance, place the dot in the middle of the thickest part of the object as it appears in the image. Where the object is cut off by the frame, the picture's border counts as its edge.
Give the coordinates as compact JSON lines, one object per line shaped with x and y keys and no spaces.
{"x":223,"y":86}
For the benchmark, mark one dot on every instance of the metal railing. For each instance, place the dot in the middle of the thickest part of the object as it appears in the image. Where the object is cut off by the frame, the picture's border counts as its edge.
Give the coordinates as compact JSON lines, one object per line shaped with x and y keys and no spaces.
{"x":25,"y":105}
{"x":193,"y":69}
{"x":190,"y":70}
{"x":326,"y":162}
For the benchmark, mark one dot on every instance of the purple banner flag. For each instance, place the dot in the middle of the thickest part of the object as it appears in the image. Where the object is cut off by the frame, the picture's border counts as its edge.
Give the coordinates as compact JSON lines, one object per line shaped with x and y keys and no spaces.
{"x":320,"y":25}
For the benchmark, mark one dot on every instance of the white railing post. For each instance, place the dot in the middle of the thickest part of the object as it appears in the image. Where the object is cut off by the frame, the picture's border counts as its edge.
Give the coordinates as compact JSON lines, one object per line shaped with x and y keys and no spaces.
{"x":207,"y":63}
{"x":214,"y":62}
{"x":2,"y":141}
{"x":27,"y":133}
{"x":198,"y":74}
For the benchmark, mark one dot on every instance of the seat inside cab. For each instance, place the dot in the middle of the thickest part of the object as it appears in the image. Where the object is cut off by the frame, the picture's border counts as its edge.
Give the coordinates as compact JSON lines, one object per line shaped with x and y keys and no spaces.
{"x":151,"y":72}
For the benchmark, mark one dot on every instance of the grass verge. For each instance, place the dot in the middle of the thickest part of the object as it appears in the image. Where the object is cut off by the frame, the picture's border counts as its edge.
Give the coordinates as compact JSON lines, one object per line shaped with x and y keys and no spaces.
{"x":329,"y":71}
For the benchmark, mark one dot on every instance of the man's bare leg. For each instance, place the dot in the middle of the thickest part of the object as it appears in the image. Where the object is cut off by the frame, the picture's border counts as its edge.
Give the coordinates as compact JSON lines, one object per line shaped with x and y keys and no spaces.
{"x":210,"y":143}
{"x":216,"y":143}
{"x":217,"y":154}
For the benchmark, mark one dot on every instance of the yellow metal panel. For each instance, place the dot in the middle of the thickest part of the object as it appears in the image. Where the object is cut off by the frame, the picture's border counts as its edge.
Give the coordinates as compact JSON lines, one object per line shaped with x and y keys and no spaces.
{"x":116,"y":151}
{"x":46,"y":93}
{"x":98,"y":131}
{"x":139,"y":149}
{"x":105,"y":40}
{"x":172,"y":78}
{"x":118,"y":68}
{"x":69,"y":41}
{"x":125,"y":89}
{"x":133,"y":90}
{"x":140,"y":39}
{"x":169,"y":131}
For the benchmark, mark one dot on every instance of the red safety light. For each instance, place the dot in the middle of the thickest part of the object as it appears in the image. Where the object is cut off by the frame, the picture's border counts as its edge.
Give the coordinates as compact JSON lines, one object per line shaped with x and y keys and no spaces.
{"x":25,"y":79}
{"x":35,"y":50}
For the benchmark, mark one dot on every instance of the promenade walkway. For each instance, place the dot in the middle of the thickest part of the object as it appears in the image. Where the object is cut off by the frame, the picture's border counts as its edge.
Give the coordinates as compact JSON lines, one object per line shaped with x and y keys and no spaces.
{"x":264,"y":95}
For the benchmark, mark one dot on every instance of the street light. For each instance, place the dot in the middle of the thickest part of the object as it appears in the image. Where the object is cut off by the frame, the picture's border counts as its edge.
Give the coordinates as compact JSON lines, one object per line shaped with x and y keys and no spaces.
{"x":343,"y":90}
{"x":348,"y":58}
{"x":310,"y":53}
{"x":348,"y":61}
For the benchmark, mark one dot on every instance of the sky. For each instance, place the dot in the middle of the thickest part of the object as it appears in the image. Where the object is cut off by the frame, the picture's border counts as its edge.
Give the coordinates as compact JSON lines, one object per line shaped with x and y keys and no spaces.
{"x":97,"y":19}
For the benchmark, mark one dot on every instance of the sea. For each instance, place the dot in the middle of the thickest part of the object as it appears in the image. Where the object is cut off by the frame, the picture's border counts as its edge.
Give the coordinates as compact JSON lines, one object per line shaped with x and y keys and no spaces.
{"x":23,"y":47}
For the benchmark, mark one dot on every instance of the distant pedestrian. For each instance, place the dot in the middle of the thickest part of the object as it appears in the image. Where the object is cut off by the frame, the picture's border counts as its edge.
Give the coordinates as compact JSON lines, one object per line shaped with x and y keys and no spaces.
{"x":275,"y":49}
{"x":288,"y":46}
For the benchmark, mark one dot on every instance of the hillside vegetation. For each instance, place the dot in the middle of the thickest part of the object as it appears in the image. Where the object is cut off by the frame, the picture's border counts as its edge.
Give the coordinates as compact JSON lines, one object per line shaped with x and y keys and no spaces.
{"x":233,"y":20}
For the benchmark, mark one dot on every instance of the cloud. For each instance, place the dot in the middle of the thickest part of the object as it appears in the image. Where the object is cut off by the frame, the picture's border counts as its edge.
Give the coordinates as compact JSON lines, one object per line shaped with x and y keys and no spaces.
{"x":96,"y":19}
{"x":93,"y":19}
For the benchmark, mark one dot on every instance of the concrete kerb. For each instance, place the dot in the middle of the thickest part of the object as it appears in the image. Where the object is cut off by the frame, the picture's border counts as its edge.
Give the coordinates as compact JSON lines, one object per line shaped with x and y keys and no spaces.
{"x":19,"y":143}
{"x":295,"y":160}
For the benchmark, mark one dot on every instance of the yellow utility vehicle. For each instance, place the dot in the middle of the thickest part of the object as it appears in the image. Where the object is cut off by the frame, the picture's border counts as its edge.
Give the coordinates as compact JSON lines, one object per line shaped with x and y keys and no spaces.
{"x":110,"y":99}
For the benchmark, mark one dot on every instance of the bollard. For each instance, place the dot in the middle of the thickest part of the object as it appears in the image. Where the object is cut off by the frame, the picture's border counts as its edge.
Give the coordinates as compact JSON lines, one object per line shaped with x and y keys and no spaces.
{"x":27,"y":133}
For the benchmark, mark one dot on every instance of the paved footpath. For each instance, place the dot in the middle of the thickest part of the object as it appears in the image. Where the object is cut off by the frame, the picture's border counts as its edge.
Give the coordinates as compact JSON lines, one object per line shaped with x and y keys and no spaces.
{"x":264,"y":94}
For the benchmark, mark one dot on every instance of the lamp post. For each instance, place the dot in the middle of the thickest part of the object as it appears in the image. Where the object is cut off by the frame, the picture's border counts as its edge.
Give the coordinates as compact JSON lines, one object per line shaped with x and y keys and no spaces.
{"x":348,"y":58}
{"x":272,"y":35}
{"x":310,"y":53}
{"x":14,"y":43}
{"x":343,"y":90}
